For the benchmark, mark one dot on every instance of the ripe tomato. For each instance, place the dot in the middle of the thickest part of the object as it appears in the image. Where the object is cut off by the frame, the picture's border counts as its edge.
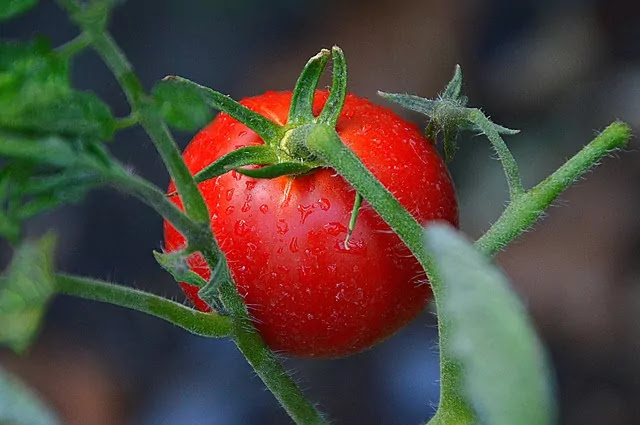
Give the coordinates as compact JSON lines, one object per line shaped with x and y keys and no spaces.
{"x":307,"y":293}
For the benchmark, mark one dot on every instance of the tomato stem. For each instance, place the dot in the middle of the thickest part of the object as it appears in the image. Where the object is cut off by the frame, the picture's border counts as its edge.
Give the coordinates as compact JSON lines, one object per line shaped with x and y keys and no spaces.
{"x":524,"y":211}
{"x":204,"y":324}
{"x":325,"y":142}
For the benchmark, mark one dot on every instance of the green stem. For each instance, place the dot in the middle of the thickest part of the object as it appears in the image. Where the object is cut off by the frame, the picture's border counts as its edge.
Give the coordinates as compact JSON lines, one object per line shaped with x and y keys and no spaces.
{"x":324,"y":142}
{"x":126,"y":122}
{"x":144,"y":109}
{"x":504,"y":154}
{"x":199,"y":323}
{"x":74,"y":46}
{"x":152,"y":196}
{"x":249,"y":342}
{"x":244,"y":334}
{"x":525,"y":210}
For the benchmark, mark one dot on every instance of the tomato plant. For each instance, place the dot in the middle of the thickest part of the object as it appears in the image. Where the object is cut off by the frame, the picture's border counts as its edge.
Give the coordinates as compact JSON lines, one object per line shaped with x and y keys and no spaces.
{"x":264,"y":223}
{"x":309,"y":292}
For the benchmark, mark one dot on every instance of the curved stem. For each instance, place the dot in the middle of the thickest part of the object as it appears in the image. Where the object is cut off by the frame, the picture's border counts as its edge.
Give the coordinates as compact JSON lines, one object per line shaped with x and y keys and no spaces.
{"x":74,"y":46}
{"x":324,"y":142}
{"x":509,"y":164}
{"x":143,"y":108}
{"x":199,"y":323}
{"x":152,"y":196}
{"x":525,"y":210}
{"x":126,"y":122}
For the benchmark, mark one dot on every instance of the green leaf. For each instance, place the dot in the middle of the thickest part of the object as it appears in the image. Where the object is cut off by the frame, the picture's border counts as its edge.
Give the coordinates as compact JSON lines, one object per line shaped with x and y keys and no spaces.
{"x":25,"y":290}
{"x":176,"y":264}
{"x":182,"y":106}
{"x":20,"y":406}
{"x":36,"y":96}
{"x":11,"y":8}
{"x":504,"y":365}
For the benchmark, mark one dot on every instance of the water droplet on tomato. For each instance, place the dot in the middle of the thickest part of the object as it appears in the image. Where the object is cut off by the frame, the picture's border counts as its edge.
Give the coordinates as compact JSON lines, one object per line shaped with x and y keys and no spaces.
{"x":305,"y":211}
{"x":334,"y":228}
{"x":324,"y":204}
{"x":229,"y":195}
{"x":241,"y":227}
{"x":236,"y":175}
{"x":229,"y":210}
{"x":280,"y":250}
{"x":310,"y":316}
{"x":250,"y":184}
{"x":282,"y":227}
{"x":245,"y":207}
{"x":293,"y":246}
{"x":264,"y":208}
{"x":242,"y":133}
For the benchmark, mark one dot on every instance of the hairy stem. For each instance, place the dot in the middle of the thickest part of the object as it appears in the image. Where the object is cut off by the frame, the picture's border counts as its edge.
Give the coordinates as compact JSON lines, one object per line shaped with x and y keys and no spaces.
{"x":243,"y":333}
{"x":523,"y":212}
{"x":324,"y":142}
{"x":509,"y":164}
{"x":141,"y":107}
{"x":204,"y":324}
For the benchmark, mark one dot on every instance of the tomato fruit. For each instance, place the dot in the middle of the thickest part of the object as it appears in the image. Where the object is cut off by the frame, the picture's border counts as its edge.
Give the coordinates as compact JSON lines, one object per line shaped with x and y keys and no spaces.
{"x":307,"y":293}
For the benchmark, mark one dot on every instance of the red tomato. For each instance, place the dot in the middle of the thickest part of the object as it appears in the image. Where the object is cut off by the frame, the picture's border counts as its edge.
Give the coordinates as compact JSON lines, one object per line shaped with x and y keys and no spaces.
{"x":307,"y":293}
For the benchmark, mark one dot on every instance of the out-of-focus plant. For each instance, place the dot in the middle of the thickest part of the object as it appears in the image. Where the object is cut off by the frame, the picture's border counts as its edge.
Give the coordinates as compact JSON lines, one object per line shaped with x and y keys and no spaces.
{"x":54,"y":148}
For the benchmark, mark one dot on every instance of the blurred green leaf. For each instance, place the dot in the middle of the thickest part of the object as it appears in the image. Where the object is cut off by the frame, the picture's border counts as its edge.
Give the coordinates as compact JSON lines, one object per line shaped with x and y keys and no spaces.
{"x":504,"y":365}
{"x":28,"y":189}
{"x":11,"y":8}
{"x":36,"y":96}
{"x":25,"y":289}
{"x":182,"y":106}
{"x":20,"y":406}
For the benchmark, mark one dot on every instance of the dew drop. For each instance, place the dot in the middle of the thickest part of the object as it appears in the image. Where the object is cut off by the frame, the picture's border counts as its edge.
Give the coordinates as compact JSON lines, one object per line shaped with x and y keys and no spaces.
{"x":250,"y":184}
{"x":323,"y":204}
{"x":241,"y":227}
{"x":264,"y":208}
{"x":293,"y":246}
{"x":282,"y":227}
{"x":305,"y":211}
{"x":229,"y":210}
{"x":334,"y":228}
{"x":245,"y":207}
{"x":229,"y":195}
{"x":236,"y":175}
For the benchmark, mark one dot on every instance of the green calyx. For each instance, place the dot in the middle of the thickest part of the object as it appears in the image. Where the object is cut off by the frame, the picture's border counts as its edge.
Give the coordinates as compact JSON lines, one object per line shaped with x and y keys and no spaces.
{"x":284,"y":151}
{"x":448,"y":114}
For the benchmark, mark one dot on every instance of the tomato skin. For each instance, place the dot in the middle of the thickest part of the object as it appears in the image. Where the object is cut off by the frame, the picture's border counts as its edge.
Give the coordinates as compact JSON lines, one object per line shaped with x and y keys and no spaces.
{"x":284,"y":238}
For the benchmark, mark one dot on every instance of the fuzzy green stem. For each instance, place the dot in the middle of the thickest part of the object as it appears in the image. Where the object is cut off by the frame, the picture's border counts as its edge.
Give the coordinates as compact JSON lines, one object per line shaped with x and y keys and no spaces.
{"x":204,"y":324}
{"x":249,"y":342}
{"x":144,"y":109}
{"x":244,"y":334}
{"x":509,"y":164}
{"x":525,"y":210}
{"x":324,"y":142}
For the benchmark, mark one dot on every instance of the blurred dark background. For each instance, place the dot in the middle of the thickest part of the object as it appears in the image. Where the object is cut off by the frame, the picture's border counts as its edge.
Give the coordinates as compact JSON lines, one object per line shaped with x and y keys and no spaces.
{"x":559,"y":71}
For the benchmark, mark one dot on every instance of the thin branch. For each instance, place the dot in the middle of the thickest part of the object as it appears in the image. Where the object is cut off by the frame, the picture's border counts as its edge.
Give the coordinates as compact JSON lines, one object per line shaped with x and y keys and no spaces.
{"x":204,"y":324}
